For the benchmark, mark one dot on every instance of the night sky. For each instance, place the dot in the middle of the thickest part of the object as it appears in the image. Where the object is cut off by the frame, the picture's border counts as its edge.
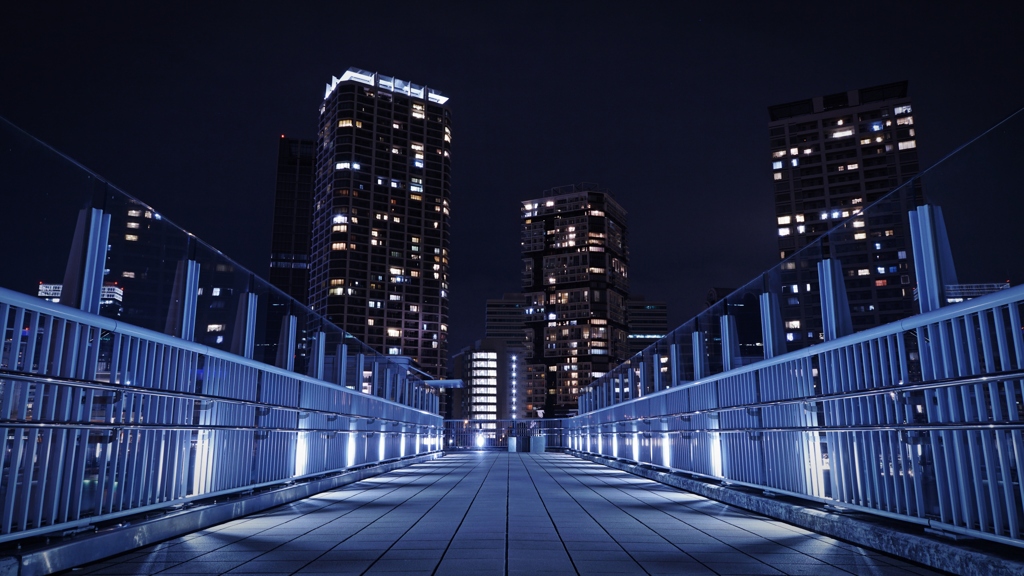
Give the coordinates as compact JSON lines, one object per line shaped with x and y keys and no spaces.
{"x":663,"y":103}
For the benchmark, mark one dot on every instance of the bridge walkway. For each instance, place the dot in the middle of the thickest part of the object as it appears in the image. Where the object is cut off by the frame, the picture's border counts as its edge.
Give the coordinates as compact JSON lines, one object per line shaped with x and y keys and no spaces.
{"x":498,"y":513}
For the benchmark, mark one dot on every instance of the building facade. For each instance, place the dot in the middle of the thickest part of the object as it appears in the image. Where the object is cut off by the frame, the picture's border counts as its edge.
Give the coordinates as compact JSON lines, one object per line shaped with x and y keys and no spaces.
{"x":293,"y":216}
{"x":505,"y":320}
{"x":492,"y":372}
{"x":832,"y":157}
{"x":647,"y":321}
{"x":380,"y":238}
{"x":575,"y":284}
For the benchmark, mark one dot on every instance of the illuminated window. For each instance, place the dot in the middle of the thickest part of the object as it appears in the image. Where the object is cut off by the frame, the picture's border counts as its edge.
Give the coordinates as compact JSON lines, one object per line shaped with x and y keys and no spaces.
{"x":338,"y":246}
{"x":908,"y":144}
{"x":863,"y":272}
{"x":905,"y":121}
{"x":131,"y":237}
{"x":801,"y":229}
{"x":794,"y":162}
{"x":858,"y":223}
{"x":777,"y":165}
{"x":339,"y":228}
{"x":902,"y":254}
{"x":902,"y":109}
{"x":127,"y":274}
{"x":135,"y":213}
{"x":842,"y":133}
{"x":784,"y":231}
{"x":215,"y":327}
{"x":133,"y":224}
{"x":794,"y":151}
{"x":394,"y":333}
{"x":783,"y":220}
{"x":852,"y":166}
{"x":860,"y":236}
{"x":778,"y":154}
{"x":793,"y":324}
{"x":881,"y":282}
{"x":778,"y":175}
{"x":347,"y":122}
{"x":395,"y":297}
{"x":808,"y":150}
{"x":865,"y":140}
{"x":880,"y":269}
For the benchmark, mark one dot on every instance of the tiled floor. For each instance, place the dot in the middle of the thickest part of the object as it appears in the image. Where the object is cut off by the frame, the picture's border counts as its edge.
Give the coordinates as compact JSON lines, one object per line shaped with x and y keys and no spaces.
{"x":485,"y":513}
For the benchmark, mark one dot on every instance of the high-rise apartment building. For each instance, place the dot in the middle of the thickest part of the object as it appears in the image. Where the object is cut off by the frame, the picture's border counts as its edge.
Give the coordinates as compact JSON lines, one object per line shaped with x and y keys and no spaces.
{"x":379,"y":265}
{"x":831,"y":157}
{"x":293,"y":216}
{"x":575,"y":281}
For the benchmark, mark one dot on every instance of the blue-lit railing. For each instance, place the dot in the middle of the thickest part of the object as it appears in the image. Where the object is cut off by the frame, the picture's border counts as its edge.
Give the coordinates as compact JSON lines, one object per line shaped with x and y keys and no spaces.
{"x":918,"y":416}
{"x":101,"y":419}
{"x":850,"y":423}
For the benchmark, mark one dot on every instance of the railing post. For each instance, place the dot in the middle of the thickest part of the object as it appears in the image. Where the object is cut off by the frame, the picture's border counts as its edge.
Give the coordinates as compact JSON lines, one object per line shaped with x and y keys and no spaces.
{"x":83,"y":276}
{"x":244,"y":337}
{"x":341,"y":354}
{"x":673,"y":358}
{"x":656,"y":370}
{"x":772,"y":334}
{"x":933,"y":261}
{"x":286,"y":343}
{"x":730,"y":346}
{"x":360,"y":369}
{"x":835,"y":307}
{"x":699,"y":356}
{"x":316,"y":364}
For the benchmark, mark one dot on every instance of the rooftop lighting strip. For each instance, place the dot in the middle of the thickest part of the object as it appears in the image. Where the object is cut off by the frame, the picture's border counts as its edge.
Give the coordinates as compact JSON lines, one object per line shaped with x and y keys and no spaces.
{"x":386,"y":82}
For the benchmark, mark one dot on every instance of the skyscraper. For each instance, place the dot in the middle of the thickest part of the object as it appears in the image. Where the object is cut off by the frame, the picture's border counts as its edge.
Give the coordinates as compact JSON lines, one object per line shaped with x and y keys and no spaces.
{"x":293,"y":201}
{"x":575,"y":280}
{"x":831,"y":157}
{"x":379,"y":266}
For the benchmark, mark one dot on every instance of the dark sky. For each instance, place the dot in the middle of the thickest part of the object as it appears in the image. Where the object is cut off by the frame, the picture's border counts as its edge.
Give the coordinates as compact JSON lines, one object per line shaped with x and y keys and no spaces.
{"x":663,"y":103}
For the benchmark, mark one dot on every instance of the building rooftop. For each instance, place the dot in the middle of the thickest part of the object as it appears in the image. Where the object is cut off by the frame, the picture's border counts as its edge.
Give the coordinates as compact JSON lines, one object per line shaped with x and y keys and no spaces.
{"x":387,"y":83}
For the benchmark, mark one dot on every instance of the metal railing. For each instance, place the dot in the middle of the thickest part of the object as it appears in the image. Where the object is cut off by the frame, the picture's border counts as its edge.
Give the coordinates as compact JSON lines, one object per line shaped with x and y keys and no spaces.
{"x":495,"y":434}
{"x":919,"y":420}
{"x":101,"y":420}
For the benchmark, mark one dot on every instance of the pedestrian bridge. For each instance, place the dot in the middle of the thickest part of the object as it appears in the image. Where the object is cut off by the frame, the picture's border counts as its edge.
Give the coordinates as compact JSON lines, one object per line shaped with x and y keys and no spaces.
{"x":194,"y":412}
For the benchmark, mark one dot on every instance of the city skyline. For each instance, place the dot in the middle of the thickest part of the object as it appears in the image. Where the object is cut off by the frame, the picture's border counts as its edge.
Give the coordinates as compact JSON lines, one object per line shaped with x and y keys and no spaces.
{"x":669,"y":112}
